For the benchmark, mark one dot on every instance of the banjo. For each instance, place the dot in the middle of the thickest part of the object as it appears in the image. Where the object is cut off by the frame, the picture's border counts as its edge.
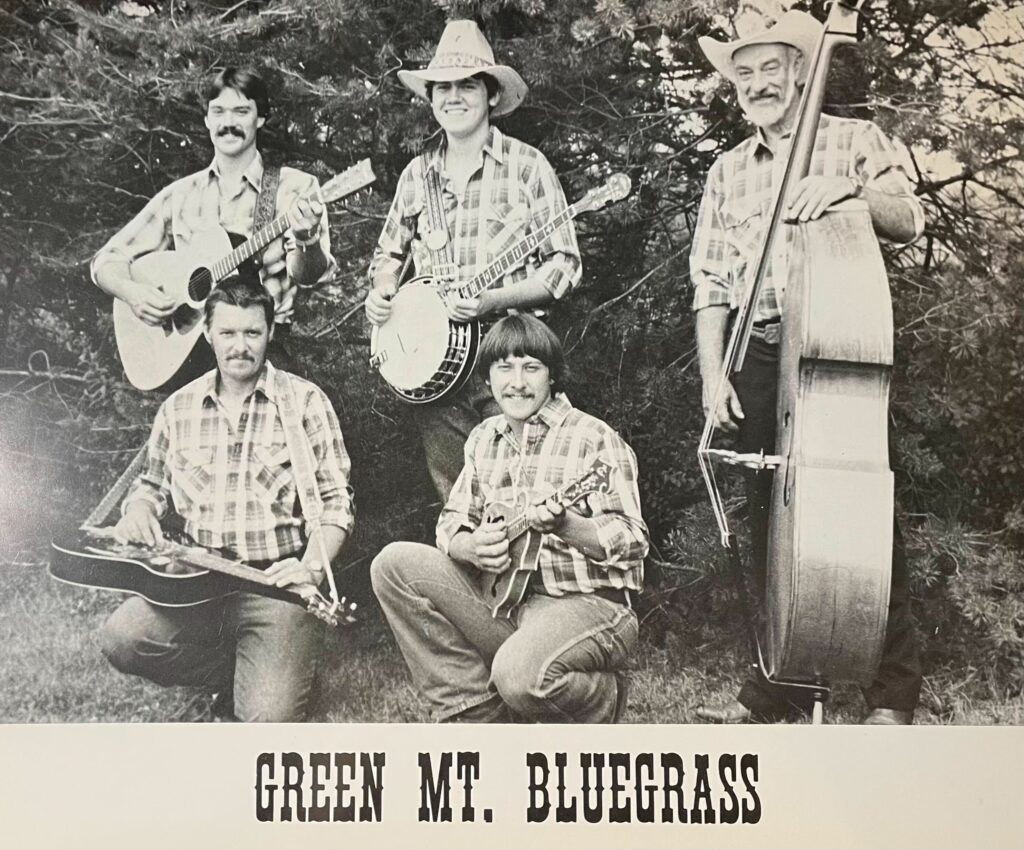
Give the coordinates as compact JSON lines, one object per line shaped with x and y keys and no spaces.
{"x":421,"y":353}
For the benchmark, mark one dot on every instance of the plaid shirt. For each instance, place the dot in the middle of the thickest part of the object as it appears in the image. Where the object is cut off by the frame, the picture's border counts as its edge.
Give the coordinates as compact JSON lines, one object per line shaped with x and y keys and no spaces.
{"x":559,"y":445}
{"x":513,"y":193}
{"x":232,"y":481}
{"x":737,"y":203}
{"x":196,"y":203}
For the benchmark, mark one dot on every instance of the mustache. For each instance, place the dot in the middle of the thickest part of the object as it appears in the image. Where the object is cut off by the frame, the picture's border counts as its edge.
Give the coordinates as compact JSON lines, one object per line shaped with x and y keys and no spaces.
{"x":231,"y":131}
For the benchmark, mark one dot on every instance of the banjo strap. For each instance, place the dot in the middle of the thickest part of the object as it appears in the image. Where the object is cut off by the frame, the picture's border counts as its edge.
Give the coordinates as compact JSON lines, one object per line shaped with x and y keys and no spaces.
{"x":442,"y":258}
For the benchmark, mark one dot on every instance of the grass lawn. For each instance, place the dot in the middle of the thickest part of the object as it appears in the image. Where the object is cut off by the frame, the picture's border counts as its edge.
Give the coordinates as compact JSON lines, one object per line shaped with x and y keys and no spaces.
{"x":53,"y":671}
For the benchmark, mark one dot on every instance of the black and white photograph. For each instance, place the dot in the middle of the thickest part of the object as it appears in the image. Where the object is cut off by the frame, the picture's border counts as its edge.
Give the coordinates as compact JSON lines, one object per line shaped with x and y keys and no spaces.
{"x":511,"y":422}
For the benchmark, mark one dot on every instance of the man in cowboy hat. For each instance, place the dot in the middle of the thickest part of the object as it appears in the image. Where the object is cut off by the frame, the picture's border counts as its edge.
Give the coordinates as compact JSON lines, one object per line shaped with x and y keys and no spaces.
{"x":851,"y":159}
{"x":493,"y":190}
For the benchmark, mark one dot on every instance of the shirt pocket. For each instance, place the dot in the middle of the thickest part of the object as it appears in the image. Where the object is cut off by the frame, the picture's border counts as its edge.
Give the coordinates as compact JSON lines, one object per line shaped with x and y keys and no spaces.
{"x":744,"y":224}
{"x":191,"y":479}
{"x":505,"y":224}
{"x":270,"y":471}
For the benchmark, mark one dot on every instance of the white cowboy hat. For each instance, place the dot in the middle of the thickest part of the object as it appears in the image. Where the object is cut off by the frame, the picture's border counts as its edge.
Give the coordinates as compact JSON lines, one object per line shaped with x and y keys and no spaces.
{"x":795,"y":28}
{"x":462,"y":52}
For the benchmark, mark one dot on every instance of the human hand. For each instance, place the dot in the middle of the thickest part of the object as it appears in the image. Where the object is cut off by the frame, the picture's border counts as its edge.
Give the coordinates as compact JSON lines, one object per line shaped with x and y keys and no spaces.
{"x":544,"y":513}
{"x":378,"y":303}
{"x":139,"y":525}
{"x":814,"y":195}
{"x":304,"y":217}
{"x":149,"y":303}
{"x":305,"y":575}
{"x":462,"y":309}
{"x":728,"y":411}
{"x":489,"y":546}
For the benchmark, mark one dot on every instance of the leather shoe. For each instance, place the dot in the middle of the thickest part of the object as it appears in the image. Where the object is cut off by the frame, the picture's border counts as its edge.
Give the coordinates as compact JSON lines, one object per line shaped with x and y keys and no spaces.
{"x":888,"y":717}
{"x":731,"y":712}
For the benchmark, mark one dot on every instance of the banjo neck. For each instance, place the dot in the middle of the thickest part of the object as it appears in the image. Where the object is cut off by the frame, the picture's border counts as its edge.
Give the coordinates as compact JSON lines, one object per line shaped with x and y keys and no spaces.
{"x":514,"y":256}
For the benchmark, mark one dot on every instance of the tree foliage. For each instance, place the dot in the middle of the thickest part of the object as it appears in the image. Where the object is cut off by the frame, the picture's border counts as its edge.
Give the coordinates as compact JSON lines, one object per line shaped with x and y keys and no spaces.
{"x":100,"y":107}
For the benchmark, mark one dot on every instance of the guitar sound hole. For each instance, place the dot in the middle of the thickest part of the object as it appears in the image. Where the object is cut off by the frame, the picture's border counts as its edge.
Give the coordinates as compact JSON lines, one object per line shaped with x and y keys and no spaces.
{"x":200,"y":284}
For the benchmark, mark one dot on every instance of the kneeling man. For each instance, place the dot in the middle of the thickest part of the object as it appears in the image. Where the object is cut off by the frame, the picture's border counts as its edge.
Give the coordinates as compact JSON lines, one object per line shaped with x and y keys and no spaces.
{"x":219,"y":452}
{"x":559,"y":657}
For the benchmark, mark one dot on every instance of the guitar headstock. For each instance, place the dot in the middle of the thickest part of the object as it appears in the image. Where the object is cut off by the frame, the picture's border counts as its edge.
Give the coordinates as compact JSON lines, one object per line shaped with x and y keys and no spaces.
{"x":615,"y":188}
{"x":350,"y":180}
{"x":597,"y":479}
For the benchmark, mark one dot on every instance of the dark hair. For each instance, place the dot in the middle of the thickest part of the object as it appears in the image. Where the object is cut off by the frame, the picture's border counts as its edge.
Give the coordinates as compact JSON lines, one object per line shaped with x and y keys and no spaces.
{"x":492,"y":85}
{"x":241,"y":293}
{"x":247,"y":83}
{"x":523,"y":335}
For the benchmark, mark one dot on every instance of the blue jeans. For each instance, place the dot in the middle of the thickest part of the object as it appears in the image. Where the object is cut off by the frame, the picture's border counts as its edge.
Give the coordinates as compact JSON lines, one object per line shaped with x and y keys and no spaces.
{"x":558,"y":662}
{"x":265,"y":650}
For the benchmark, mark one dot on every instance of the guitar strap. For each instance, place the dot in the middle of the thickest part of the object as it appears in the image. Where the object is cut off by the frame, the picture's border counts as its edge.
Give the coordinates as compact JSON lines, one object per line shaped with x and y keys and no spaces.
{"x":266,"y":202}
{"x":303,"y":467}
{"x":442,"y":254}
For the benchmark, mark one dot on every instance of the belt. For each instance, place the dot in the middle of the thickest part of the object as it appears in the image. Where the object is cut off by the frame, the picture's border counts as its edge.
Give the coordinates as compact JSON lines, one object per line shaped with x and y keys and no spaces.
{"x":618,"y":595}
{"x":769,"y":330}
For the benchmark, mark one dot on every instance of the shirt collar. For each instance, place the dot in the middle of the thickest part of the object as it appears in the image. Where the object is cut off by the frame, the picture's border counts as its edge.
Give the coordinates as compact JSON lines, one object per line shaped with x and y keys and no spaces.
{"x":493,"y":147}
{"x":760,"y":142}
{"x":253,"y":174}
{"x":551,"y":415}
{"x":265,"y":384}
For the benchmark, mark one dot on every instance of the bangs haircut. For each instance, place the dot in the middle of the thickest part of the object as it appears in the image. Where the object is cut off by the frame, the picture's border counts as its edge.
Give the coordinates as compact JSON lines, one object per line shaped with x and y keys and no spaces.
{"x":523,"y":335}
{"x":240,"y":293}
{"x":247,"y":83}
{"x":490,"y":83}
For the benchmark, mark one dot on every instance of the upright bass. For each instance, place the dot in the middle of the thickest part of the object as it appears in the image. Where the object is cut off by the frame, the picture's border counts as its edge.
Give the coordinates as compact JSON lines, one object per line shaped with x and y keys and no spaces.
{"x":831,"y":517}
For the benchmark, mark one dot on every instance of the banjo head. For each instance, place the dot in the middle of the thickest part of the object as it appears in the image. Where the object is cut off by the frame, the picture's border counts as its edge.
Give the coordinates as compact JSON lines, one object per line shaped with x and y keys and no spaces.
{"x":413,"y":342}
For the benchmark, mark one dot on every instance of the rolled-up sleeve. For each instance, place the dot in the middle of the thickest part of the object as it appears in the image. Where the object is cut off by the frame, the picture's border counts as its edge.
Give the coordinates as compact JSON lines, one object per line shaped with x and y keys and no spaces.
{"x":154,"y":484}
{"x":149,"y":231}
{"x":561,"y":267}
{"x":620,"y":526}
{"x":311,"y":188}
{"x":465,"y":506}
{"x":709,"y":251}
{"x":880,"y":165}
{"x":333,"y":466}
{"x":399,"y":229}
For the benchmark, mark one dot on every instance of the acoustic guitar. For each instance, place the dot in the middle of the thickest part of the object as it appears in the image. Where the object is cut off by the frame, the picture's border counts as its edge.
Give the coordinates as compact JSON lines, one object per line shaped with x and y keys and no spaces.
{"x":152,"y":355}
{"x":508,"y":589}
{"x":175,"y":575}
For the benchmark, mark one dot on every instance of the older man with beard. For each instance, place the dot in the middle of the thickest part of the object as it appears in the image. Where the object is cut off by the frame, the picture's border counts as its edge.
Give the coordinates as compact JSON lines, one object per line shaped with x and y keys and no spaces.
{"x":851,"y":159}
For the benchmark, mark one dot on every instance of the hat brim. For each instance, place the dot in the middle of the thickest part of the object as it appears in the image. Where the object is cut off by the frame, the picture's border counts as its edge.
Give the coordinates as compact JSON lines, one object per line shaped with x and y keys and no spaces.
{"x":795,"y":28}
{"x":513,"y":88}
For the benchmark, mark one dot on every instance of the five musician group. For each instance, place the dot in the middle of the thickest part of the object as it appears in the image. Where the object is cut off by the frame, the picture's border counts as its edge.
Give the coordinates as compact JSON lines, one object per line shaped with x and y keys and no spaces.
{"x":524,"y":610}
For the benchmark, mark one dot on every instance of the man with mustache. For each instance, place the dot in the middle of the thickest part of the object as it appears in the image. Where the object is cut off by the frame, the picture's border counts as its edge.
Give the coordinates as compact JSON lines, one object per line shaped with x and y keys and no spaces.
{"x":224,"y":194}
{"x":560,"y":656}
{"x":851,"y":159}
{"x":493,"y":190}
{"x":219,"y":453}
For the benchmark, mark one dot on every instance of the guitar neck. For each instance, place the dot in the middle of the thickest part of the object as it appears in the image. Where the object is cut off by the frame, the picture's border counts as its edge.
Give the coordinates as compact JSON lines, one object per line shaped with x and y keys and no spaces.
{"x":514,"y":256}
{"x":208,"y":561}
{"x":519,"y":524}
{"x":257,"y":242}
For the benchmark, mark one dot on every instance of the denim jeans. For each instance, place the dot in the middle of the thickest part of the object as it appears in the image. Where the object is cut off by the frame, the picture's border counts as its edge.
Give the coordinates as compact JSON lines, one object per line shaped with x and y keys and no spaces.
{"x":444,"y":426}
{"x":264,"y":649}
{"x":558,"y":662}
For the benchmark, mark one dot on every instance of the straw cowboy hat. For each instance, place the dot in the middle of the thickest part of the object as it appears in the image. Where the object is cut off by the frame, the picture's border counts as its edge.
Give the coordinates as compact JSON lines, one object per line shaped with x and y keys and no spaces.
{"x":462,"y":52}
{"x":795,"y":28}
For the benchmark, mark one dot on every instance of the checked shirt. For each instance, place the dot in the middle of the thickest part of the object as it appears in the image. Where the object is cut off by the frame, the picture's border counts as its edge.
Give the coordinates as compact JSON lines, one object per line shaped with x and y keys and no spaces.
{"x":559,"y":445}
{"x":231,"y":481}
{"x":197,"y":203}
{"x":514,"y":192}
{"x":737,"y":203}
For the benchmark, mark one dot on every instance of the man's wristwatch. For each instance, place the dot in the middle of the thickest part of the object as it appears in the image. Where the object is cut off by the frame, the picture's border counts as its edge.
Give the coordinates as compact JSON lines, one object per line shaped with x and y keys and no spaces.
{"x":309,"y":241}
{"x":857,"y":186}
